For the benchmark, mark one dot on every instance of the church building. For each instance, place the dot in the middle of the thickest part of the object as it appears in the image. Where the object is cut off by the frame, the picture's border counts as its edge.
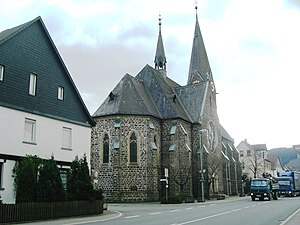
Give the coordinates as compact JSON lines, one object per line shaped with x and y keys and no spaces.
{"x":155,"y":138}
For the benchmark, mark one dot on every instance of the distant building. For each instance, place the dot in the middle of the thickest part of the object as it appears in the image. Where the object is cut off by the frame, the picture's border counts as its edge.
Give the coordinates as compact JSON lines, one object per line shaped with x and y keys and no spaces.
{"x":256,"y":160}
{"x":150,"y":128}
{"x":41,"y":111}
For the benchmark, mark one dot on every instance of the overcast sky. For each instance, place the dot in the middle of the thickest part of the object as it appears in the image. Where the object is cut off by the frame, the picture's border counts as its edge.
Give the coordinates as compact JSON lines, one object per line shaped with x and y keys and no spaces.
{"x":253,"y":47}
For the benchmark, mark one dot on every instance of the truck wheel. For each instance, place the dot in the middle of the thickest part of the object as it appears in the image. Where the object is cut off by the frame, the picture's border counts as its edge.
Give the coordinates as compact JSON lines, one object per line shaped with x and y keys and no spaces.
{"x":253,"y":198}
{"x":269,"y":197}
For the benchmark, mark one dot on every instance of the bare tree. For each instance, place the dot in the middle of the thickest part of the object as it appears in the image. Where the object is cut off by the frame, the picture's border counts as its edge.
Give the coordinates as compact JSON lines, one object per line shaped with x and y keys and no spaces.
{"x":181,"y":177}
{"x":253,"y":164}
{"x":214,"y":166}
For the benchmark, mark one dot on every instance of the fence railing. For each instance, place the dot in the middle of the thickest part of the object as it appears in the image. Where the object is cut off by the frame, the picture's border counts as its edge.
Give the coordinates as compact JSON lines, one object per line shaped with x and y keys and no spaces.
{"x":48,"y":210}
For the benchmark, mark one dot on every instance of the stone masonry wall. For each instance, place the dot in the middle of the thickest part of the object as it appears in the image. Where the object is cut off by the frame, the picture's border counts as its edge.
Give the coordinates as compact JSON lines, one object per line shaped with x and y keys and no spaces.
{"x":120,"y":179}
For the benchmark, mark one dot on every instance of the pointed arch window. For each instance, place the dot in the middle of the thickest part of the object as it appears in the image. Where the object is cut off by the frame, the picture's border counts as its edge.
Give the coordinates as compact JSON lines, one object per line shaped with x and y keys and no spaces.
{"x":133,"y":148}
{"x":106,"y":149}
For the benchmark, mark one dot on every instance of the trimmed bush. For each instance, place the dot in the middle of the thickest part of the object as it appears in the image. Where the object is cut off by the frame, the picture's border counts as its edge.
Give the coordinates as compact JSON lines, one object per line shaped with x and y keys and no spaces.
{"x":50,"y":187}
{"x":173,"y":199}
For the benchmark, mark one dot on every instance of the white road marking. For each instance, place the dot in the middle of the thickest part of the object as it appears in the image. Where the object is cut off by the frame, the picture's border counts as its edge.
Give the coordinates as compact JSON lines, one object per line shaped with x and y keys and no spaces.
{"x":174,"y":210}
{"x":155,"y":213}
{"x":129,"y":217}
{"x":212,"y":216}
{"x":189,"y":208}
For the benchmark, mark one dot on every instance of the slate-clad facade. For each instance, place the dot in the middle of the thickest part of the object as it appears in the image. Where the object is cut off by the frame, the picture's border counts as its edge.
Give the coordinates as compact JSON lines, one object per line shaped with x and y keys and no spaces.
{"x":173,"y":124}
{"x":41,"y":111}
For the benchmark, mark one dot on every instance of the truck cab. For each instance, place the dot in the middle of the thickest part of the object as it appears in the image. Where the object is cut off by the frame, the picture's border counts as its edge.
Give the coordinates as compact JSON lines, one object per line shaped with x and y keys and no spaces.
{"x":264,"y":188}
{"x":285,"y":186}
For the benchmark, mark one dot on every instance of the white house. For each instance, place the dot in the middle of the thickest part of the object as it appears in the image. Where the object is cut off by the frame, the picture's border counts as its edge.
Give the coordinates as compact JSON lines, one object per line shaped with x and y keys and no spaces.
{"x":41,"y":110}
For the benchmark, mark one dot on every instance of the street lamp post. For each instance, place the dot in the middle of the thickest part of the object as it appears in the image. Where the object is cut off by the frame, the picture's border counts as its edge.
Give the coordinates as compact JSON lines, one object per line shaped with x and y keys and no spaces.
{"x":201,"y":164}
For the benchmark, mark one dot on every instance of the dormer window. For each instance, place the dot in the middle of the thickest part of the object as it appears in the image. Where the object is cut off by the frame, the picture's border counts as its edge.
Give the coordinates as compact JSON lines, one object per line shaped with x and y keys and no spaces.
{"x":111,"y":96}
{"x":1,"y":72}
{"x":174,"y":98}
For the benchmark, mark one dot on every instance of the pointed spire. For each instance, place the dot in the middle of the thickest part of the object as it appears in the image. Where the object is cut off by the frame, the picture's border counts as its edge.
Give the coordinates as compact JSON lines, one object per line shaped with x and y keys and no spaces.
{"x":199,"y":64}
{"x":160,"y":60}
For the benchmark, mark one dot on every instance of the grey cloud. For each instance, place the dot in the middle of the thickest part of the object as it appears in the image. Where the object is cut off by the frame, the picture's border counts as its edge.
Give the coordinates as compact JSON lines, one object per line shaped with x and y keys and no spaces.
{"x":96,"y":71}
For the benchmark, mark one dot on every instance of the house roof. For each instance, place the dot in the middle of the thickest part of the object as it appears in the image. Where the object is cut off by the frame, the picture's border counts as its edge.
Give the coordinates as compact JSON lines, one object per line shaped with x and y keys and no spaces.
{"x":259,"y":147}
{"x":8,"y":33}
{"x":25,"y":43}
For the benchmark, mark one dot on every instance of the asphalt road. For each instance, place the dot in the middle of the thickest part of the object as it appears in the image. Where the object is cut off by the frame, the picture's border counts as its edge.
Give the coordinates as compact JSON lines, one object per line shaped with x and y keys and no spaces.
{"x":235,"y":211}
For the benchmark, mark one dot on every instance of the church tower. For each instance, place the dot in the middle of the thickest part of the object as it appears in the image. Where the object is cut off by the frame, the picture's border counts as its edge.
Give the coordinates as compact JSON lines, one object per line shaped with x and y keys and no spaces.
{"x":199,"y":70}
{"x":160,"y":59}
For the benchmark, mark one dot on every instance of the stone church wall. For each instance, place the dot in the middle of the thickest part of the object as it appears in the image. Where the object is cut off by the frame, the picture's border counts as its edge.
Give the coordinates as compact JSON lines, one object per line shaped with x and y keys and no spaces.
{"x":120,"y":179}
{"x":177,"y":157}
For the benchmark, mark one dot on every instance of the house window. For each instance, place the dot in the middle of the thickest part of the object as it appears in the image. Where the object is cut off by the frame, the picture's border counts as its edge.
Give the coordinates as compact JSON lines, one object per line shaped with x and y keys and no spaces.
{"x":1,"y":72}
{"x":29,"y":130}
{"x":67,"y":138}
{"x":32,"y":84}
{"x":60,"y":93}
{"x":248,"y":152}
{"x":242,"y":153}
{"x":133,"y":148}
{"x":1,"y":169}
{"x":105,"y":149}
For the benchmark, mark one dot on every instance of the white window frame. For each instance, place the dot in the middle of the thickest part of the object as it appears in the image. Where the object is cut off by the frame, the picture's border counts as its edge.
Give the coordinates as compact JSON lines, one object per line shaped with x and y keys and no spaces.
{"x":32,"y":84}
{"x":29,"y":131}
{"x":1,"y":175}
{"x":1,"y":73}
{"x":60,"y":93}
{"x":66,"y":138}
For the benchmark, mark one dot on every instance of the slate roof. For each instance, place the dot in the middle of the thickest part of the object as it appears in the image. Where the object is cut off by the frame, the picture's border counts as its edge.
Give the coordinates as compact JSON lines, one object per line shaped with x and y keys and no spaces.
{"x":199,"y":64}
{"x":149,"y":93}
{"x":161,"y":90}
{"x":6,"y":34}
{"x":192,"y":98}
{"x":20,"y":47}
{"x":129,"y":97}
{"x":225,"y":134}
